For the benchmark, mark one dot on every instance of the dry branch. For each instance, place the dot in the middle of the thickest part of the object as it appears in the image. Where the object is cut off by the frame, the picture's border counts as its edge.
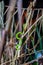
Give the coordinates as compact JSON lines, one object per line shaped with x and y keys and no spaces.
{"x":8,"y":25}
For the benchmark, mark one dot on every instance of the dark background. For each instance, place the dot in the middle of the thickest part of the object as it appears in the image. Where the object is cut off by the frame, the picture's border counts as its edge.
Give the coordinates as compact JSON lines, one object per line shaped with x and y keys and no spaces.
{"x":39,"y":3}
